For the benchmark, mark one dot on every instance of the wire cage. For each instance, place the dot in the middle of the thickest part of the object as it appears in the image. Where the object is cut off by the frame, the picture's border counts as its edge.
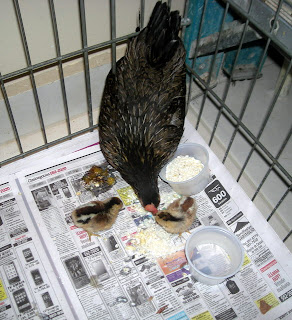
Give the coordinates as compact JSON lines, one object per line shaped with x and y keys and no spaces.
{"x":239,"y":56}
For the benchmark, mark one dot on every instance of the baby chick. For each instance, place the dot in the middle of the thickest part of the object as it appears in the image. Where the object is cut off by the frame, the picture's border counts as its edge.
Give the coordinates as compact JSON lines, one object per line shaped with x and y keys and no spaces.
{"x":179,"y":215}
{"x":97,"y":215}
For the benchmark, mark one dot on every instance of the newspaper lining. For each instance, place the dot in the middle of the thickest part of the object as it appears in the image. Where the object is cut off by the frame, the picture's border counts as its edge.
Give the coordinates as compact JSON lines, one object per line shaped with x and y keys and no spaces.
{"x":50,"y":270}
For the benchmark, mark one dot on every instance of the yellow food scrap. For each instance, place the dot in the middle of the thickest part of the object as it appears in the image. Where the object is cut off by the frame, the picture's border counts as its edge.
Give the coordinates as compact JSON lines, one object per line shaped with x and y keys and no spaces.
{"x":97,"y":176}
{"x":87,"y":179}
{"x":110,"y":181}
{"x":203,"y":316}
{"x":3,"y":295}
{"x":98,"y":170}
{"x":246,"y":260}
{"x":127,"y":195}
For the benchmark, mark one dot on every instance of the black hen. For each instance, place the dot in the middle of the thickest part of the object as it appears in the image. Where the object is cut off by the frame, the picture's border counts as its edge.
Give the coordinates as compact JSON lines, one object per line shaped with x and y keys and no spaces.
{"x":143,"y":106}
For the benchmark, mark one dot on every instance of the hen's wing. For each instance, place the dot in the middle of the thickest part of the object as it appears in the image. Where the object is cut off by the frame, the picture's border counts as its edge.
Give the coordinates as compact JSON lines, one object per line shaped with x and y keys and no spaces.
{"x":143,"y":109}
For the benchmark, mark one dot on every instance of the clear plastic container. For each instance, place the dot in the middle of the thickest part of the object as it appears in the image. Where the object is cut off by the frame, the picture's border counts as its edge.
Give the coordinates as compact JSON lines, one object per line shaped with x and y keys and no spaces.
{"x":214,"y":254}
{"x":197,"y":183}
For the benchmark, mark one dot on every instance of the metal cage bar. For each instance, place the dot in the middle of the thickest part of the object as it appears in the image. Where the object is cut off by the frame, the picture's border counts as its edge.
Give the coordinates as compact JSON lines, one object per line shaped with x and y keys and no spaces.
{"x":246,"y":101}
{"x":231,"y":115}
{"x":266,"y":119}
{"x":271,"y":39}
{"x":212,"y":64}
{"x":142,"y":14}
{"x":74,"y":54}
{"x":249,"y":93}
{"x":229,"y":83}
{"x":238,"y":9}
{"x":49,"y":144}
{"x":58,"y":51}
{"x":274,"y":100}
{"x":197,"y":47}
{"x":113,"y":34}
{"x":279,"y":202}
{"x":11,"y":117}
{"x":86,"y":61}
{"x":286,"y":140}
{"x":185,"y":18}
{"x":48,"y":64}
{"x":28,"y":61}
{"x":287,"y":236}
{"x":237,"y":121}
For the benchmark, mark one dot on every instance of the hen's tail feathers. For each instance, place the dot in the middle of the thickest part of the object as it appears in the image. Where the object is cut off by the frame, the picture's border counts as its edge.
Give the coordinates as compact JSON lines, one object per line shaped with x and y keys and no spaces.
{"x":162,"y":34}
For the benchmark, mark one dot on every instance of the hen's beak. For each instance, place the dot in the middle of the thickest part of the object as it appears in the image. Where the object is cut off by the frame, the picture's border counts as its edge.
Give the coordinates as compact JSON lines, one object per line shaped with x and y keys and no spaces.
{"x":151,"y":208}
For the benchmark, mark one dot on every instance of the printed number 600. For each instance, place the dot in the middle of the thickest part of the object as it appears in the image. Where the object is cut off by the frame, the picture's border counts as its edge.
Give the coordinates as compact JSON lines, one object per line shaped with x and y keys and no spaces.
{"x":219,"y":196}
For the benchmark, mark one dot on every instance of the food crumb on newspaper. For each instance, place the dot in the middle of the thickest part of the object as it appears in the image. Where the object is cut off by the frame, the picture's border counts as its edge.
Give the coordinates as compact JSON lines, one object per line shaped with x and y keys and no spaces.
{"x":264,"y":307}
{"x":97,"y":176}
{"x":98,"y":179}
{"x":154,"y":242}
{"x":160,"y":310}
{"x":122,"y":299}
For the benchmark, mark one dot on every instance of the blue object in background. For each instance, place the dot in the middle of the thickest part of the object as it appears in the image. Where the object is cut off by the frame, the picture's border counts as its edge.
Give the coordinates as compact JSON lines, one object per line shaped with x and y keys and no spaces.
{"x":212,"y":23}
{"x":247,"y":62}
{"x":249,"y":56}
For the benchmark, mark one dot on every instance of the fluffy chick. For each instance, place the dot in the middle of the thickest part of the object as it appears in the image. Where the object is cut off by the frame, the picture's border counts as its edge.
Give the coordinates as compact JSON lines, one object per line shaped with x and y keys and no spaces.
{"x":179,"y":215}
{"x":97,"y":215}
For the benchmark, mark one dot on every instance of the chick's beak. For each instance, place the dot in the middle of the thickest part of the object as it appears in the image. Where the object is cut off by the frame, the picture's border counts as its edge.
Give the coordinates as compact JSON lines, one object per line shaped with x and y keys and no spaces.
{"x":151,"y":208}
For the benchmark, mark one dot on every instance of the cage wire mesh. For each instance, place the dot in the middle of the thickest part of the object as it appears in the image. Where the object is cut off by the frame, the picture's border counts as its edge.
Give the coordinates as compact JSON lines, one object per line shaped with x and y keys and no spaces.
{"x":224,"y":91}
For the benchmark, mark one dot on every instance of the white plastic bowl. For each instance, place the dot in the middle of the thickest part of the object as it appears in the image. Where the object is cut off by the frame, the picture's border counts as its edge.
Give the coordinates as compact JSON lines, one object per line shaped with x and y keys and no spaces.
{"x":214,"y":254}
{"x":197,"y":183}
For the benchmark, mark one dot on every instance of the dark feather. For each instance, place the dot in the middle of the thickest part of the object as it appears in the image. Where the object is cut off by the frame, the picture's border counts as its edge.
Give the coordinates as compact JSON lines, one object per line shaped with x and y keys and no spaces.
{"x":166,"y":216}
{"x":99,"y":207}
{"x":143,"y":106}
{"x":102,"y":211}
{"x":178,"y":216}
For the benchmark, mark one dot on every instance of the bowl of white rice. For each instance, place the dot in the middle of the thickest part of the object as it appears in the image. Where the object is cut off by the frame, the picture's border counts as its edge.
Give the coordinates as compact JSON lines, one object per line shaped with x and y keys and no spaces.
{"x":187,"y":172}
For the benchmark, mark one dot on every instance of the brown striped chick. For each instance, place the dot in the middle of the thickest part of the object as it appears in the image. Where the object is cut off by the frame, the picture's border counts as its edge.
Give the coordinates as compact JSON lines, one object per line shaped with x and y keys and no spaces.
{"x":97,"y":215}
{"x":179,"y":215}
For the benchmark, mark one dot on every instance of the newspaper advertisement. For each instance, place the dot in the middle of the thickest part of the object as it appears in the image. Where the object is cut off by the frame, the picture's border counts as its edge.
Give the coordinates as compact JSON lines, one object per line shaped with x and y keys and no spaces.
{"x":28,"y":283}
{"x":52,"y":268}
